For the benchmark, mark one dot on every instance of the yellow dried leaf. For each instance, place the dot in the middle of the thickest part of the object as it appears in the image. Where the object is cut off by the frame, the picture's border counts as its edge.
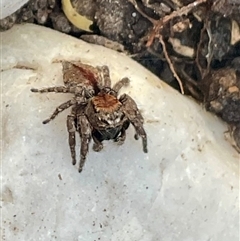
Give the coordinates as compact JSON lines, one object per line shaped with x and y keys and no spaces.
{"x":74,"y":17}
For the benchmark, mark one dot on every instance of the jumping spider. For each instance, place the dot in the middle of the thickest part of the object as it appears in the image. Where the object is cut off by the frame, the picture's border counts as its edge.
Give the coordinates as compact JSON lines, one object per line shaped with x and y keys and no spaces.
{"x":96,"y":112}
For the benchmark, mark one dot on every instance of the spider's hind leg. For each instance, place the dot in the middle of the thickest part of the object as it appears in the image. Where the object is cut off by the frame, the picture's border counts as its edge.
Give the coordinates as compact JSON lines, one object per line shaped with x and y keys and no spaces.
{"x":59,"y":109}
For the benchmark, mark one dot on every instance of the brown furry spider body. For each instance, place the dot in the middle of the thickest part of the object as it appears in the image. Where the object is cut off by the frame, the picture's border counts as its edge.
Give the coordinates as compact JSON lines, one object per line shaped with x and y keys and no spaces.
{"x":96,"y":113}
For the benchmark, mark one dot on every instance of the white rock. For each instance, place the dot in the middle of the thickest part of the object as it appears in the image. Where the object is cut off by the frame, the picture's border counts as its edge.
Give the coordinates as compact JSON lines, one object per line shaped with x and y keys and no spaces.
{"x":185,"y":189}
{"x":10,"y":6}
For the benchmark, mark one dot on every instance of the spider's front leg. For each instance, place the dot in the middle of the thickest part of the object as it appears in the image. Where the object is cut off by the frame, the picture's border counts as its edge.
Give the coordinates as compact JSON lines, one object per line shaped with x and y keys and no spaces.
{"x":85,"y":132}
{"x":121,"y":138}
{"x":97,"y":145}
{"x":59,"y":109}
{"x":133,"y":114}
{"x":56,"y":89}
{"x":71,"y":138}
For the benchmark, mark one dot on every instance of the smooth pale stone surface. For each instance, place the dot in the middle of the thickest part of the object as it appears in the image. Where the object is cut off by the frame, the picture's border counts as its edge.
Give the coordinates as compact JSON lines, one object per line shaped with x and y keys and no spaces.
{"x":185,"y":189}
{"x":8,"y":7}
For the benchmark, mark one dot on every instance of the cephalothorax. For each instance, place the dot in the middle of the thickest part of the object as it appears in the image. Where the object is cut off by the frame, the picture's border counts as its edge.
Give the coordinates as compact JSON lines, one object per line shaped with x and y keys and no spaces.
{"x":97,"y":113}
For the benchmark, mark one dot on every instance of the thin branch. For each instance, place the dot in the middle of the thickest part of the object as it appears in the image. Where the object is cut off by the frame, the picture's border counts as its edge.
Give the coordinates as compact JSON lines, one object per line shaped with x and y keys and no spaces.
{"x":158,"y":25}
{"x":170,"y":64}
{"x":210,"y":42}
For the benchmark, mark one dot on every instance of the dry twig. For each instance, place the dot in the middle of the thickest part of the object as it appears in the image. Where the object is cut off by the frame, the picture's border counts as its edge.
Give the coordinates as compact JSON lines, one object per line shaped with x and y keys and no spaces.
{"x":170,"y":64}
{"x":158,"y":25}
